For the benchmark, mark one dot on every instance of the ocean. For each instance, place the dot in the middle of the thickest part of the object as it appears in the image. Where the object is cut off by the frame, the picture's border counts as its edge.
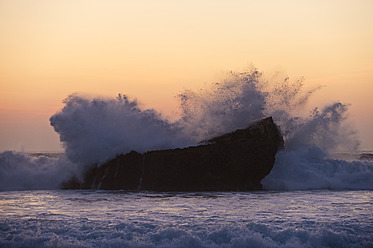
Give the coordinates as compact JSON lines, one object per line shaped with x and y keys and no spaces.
{"x":75,"y":218}
{"x":318,"y":194}
{"x":329,"y":203}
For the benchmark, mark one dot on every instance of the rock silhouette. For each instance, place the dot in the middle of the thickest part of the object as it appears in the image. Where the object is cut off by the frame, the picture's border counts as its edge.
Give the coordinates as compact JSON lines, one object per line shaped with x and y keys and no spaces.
{"x":235,"y":161}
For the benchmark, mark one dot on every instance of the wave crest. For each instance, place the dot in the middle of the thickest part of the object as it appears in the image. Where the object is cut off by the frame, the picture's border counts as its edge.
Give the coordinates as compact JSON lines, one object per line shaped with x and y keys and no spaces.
{"x":94,"y":130}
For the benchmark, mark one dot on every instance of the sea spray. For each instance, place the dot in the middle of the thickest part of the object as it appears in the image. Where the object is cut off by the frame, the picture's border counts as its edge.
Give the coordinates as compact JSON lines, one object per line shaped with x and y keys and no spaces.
{"x":233,"y":103}
{"x":95,"y":129}
{"x":19,"y":171}
{"x":309,"y":168}
{"x":241,"y":98}
{"x":326,"y":129}
{"x":306,"y":162}
{"x":310,"y":139}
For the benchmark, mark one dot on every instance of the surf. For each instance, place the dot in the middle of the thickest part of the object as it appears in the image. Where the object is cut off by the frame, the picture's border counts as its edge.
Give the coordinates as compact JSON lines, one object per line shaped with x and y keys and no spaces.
{"x":96,"y":129}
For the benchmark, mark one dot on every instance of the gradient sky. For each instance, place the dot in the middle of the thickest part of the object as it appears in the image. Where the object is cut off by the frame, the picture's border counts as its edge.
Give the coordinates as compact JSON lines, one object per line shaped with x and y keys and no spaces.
{"x":152,"y":50}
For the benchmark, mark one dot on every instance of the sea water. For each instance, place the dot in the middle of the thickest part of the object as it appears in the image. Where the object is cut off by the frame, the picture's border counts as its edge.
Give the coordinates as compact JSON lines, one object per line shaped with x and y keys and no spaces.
{"x":311,"y":198}
{"x":74,"y":218}
{"x":308,"y":200}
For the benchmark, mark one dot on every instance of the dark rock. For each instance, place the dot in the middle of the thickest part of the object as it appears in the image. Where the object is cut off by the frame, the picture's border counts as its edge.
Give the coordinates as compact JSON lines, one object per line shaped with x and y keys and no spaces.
{"x":236,"y":161}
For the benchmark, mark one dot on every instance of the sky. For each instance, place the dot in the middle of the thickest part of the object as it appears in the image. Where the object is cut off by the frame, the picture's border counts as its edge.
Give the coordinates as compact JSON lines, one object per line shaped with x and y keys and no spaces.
{"x":153,"y":50}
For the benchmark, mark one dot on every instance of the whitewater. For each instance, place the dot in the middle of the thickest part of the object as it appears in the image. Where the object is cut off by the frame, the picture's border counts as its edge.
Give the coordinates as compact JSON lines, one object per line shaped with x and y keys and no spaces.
{"x":313,"y":197}
{"x":212,"y":219}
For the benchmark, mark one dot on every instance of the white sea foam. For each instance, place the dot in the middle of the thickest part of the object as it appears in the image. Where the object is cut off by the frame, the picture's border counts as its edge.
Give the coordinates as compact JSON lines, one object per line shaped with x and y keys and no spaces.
{"x":211,"y":220}
{"x":147,"y":235}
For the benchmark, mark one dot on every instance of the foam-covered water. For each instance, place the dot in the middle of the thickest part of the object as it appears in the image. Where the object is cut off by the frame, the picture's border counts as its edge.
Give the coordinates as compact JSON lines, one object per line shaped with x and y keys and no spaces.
{"x":125,"y":219}
{"x":310,"y":168}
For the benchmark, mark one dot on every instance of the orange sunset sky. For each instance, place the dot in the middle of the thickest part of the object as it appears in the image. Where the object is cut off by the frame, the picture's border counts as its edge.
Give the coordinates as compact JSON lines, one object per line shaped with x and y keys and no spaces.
{"x":152,"y":50}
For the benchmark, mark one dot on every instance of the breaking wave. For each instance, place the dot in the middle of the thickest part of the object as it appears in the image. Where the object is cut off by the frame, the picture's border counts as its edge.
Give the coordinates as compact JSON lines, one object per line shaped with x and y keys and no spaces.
{"x":19,"y":171}
{"x":310,"y":168}
{"x":94,"y":130}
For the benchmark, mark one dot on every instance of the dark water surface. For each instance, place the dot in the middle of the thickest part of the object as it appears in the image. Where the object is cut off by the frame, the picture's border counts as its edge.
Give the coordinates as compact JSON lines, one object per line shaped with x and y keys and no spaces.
{"x":211,"y":219}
